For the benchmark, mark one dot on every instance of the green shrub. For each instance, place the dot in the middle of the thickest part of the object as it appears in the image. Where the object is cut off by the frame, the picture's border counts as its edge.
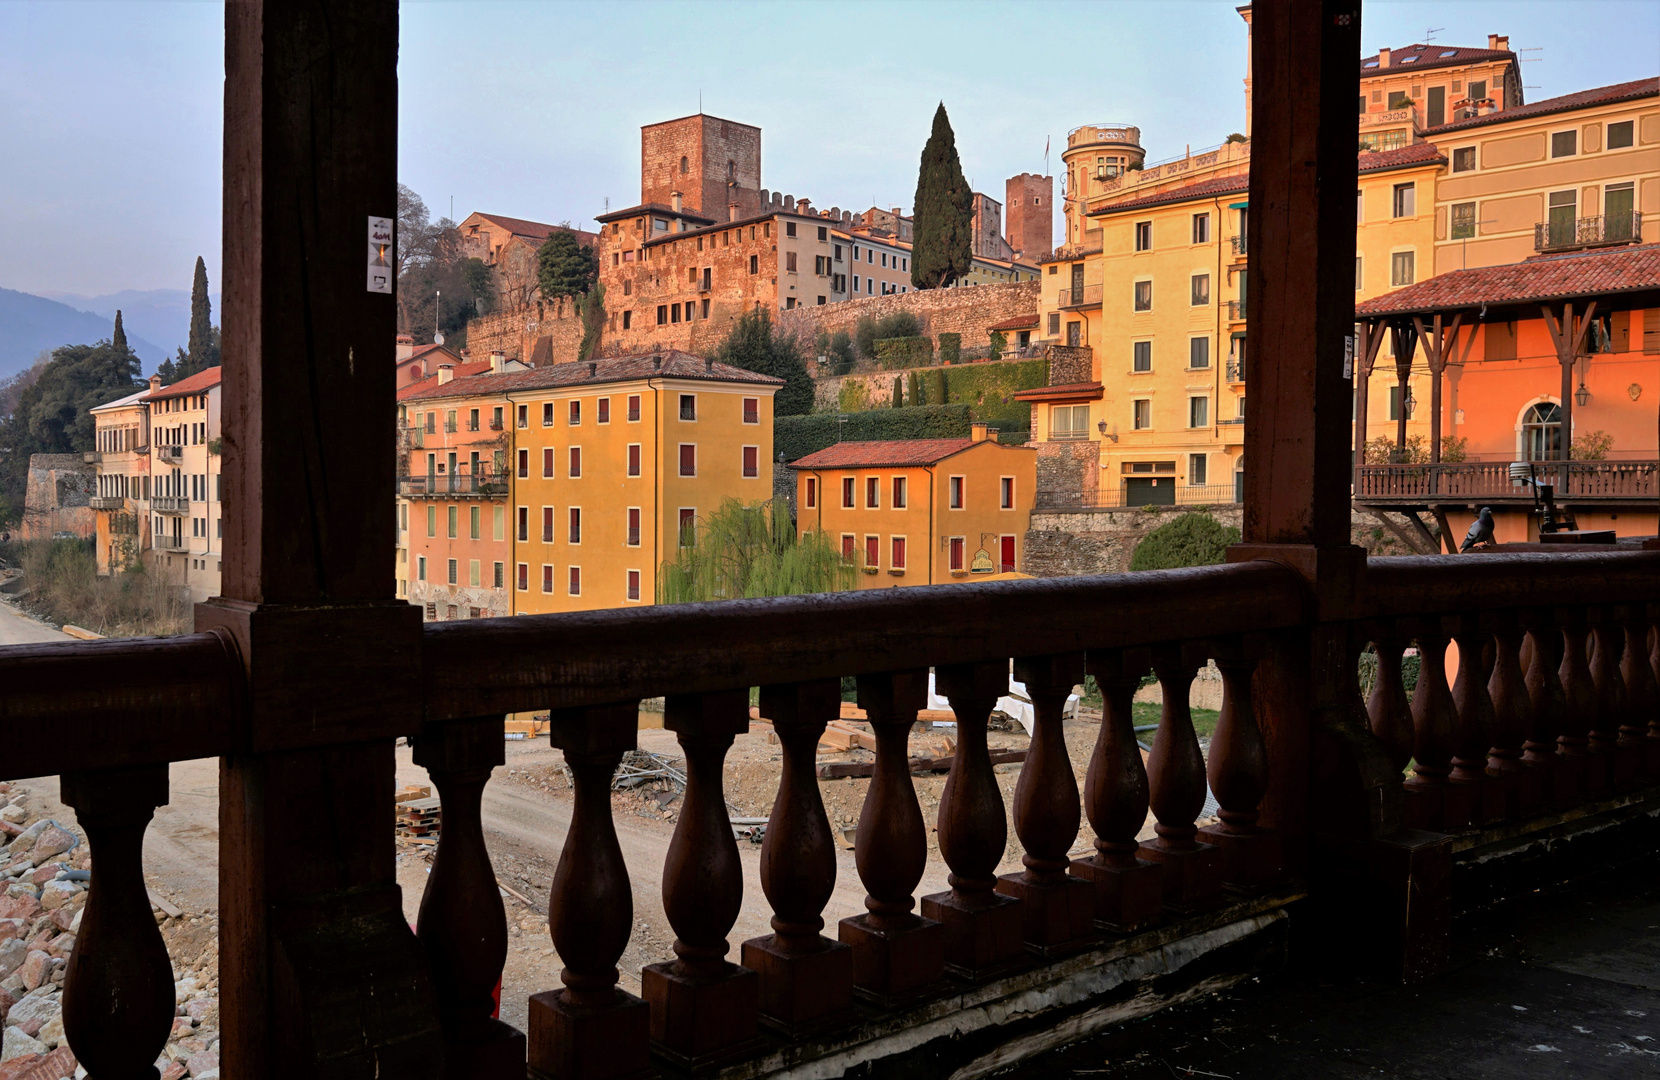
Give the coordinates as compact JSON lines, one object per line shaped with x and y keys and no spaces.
{"x":797,"y":436}
{"x":898,"y":391}
{"x":903,"y":352}
{"x":998,"y":344}
{"x":951,"y":348}
{"x":988,"y":390}
{"x":864,"y":335}
{"x":841,"y":352}
{"x":915,"y":380}
{"x":1190,"y":540}
{"x":853,"y":396}
{"x":899,"y":324}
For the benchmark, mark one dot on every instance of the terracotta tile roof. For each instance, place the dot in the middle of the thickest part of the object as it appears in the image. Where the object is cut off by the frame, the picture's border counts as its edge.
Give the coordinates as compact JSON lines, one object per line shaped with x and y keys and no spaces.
{"x":664,"y":364}
{"x":1402,"y":157}
{"x":1060,"y":390}
{"x":1019,"y":322}
{"x":651,"y":208}
{"x":1419,"y":57}
{"x":1583,"y":99}
{"x":461,"y":371}
{"x":198,"y":383}
{"x":895,"y":453}
{"x":535,"y":230}
{"x":1547,"y":277}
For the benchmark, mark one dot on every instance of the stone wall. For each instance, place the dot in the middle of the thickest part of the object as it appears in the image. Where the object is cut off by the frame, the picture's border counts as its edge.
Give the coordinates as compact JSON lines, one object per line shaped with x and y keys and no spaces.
{"x":1070,"y":364}
{"x":1068,"y":473}
{"x":966,"y":311}
{"x":545,"y":334}
{"x":56,"y":498}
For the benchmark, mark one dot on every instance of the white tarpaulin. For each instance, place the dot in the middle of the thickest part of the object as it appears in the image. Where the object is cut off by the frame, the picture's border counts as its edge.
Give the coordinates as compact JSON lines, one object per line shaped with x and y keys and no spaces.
{"x":1015,"y":704}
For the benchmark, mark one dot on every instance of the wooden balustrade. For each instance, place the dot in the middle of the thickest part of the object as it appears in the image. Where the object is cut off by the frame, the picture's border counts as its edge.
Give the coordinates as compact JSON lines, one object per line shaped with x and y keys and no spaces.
{"x":1473,"y":738}
{"x":1176,"y":789}
{"x":1389,"y":712}
{"x":1561,"y":777}
{"x":1523,"y":784}
{"x":1611,"y":733}
{"x":983,"y":928}
{"x":1580,"y":716}
{"x":1432,"y":802}
{"x":1238,"y":775}
{"x":1129,"y":890}
{"x":1642,"y":690}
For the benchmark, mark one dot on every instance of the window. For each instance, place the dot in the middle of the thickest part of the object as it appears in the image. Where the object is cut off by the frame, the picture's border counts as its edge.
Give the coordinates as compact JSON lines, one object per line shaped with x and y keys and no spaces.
{"x":452,"y":577}
{"x":1141,"y":414}
{"x":1463,"y":220}
{"x":1399,"y":99}
{"x":450,"y":515}
{"x":1201,"y":290}
{"x":472,"y":419}
{"x":602,"y":411}
{"x":524,"y":524}
{"x":1198,"y":412}
{"x":688,"y":406}
{"x":633,"y":527}
{"x":524,"y":577}
{"x":688,"y":459}
{"x":847,"y":492}
{"x":472,"y":573}
{"x":628,"y":316}
{"x":574,"y":417}
{"x":633,"y":459}
{"x":1401,"y":268}
{"x":688,"y":526}
{"x":1477,"y":90}
{"x":524,"y":417}
{"x":575,"y":523}
{"x":420,"y":568}
{"x":1619,"y":135}
{"x":896,"y":548}
{"x":810,"y":496}
{"x":898,"y":493}
{"x":547,"y":524}
{"x":752,"y":461}
{"x":789,"y":260}
{"x":955,"y":547}
{"x":547,"y":462}
{"x":1198,"y":352}
{"x":1144,"y":236}
{"x":633,"y":408}
{"x":1196,"y":470}
{"x":432,"y":521}
{"x":1359,"y":276}
{"x":847,"y":547}
{"x":1564,"y":143}
{"x":1201,"y":228}
{"x":1144,"y":296}
{"x":662,"y":314}
{"x":473,"y":522}
{"x":872,"y":488}
{"x":1142,"y":356}
{"x":754,"y":264}
{"x":547,"y":578}
{"x":1618,"y":202}
{"x":1054,"y":322}
{"x":1069,"y":421}
{"x":873,"y":551}
{"x":499,"y":578}
{"x":1395,"y":402}
{"x":633,"y":584}
{"x":524,"y":464}
{"x":1406,"y":200}
{"x":1464,"y":159}
{"x":752,"y":410}
{"x":954,"y":492}
{"x":1005,"y":493}
{"x":789,"y":228}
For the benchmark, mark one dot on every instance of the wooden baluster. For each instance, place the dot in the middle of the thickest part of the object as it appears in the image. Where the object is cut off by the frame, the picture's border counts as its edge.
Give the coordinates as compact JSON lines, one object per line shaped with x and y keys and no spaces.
{"x":1238,"y":772}
{"x":703,"y":1007}
{"x":1642,"y":693}
{"x":1474,"y":736}
{"x":591,"y":1029}
{"x":462,"y":924}
{"x":897,"y":953}
{"x":1129,"y":891}
{"x":1388,"y":712}
{"x":1581,"y":714}
{"x":1058,"y":909}
{"x":118,"y":992}
{"x":1542,"y":649}
{"x":983,"y":928}
{"x":1512,"y":721}
{"x":1624,"y":752}
{"x":1176,"y":785}
{"x":806,"y":978}
{"x":1435,"y":723}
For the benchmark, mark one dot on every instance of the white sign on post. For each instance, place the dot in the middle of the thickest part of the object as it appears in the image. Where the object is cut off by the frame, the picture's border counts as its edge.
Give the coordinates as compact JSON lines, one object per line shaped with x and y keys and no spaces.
{"x":1349,"y":357}
{"x":380,"y":255}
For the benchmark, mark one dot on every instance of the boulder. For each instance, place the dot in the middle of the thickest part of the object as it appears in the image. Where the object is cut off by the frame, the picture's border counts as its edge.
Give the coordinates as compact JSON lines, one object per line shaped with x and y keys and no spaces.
{"x":15,"y":1044}
{"x":51,"y":1032}
{"x":202,"y":1063}
{"x":39,"y":1008}
{"x":36,"y":970}
{"x":53,"y":840}
{"x":19,"y":907}
{"x":55,"y":894}
{"x":12,"y":955}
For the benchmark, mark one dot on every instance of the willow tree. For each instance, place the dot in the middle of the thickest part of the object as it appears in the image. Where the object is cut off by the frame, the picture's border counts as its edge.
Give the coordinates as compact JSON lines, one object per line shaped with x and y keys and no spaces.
{"x":740,"y":552}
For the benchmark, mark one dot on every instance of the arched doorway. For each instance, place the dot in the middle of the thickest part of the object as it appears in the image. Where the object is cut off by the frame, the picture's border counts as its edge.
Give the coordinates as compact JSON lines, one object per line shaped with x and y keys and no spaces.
{"x":1542,"y":432}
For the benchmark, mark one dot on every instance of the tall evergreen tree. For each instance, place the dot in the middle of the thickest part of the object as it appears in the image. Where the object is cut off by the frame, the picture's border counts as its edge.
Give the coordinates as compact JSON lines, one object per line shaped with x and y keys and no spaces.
{"x":942,"y":238}
{"x":119,"y":339}
{"x":755,"y":345}
{"x":203,"y":350}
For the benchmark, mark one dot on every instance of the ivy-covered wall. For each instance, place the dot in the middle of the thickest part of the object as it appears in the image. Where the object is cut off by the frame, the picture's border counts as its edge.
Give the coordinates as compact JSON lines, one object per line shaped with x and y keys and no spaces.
{"x":797,"y":436}
{"x":987,"y":389}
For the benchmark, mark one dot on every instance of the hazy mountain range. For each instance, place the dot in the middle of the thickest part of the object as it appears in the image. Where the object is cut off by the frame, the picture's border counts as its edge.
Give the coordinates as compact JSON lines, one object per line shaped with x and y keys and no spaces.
{"x":157,"y":322}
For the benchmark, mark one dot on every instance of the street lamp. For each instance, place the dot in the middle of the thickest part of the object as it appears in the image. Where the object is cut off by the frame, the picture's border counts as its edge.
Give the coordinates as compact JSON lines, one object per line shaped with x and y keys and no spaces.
{"x":1101,"y":426}
{"x":1408,"y":403}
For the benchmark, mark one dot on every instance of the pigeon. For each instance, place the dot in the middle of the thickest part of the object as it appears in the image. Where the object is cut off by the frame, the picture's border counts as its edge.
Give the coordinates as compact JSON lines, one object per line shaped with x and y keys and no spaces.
{"x":1481,"y":531}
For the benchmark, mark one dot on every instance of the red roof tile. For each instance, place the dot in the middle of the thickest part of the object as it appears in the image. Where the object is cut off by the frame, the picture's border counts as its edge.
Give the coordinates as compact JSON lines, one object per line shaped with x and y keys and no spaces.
{"x":893,"y":453}
{"x":666,"y":364}
{"x":1019,"y":322}
{"x":651,"y":208}
{"x":1583,"y":99}
{"x":198,"y":383}
{"x":535,"y":230}
{"x":1419,"y":57}
{"x":1548,"y":277}
{"x":1067,"y":390}
{"x":460,"y":371}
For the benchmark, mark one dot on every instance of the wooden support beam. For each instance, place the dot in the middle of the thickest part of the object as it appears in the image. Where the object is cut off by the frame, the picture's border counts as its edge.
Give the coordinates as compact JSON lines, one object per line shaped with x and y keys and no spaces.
{"x":1431,"y":544}
{"x":1414,"y":544}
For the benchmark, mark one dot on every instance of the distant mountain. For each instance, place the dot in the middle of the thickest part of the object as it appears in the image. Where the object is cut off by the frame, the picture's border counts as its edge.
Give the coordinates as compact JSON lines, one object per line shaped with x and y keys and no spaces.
{"x":30,"y":324}
{"x":160,"y":315}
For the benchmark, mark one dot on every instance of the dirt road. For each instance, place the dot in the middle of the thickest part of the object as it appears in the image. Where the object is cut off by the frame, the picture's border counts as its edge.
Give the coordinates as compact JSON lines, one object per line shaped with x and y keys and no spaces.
{"x":16,"y":628}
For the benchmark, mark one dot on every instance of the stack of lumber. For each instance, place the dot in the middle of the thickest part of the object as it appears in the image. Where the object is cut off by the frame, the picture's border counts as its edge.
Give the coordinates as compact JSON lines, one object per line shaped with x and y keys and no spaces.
{"x":418,"y":815}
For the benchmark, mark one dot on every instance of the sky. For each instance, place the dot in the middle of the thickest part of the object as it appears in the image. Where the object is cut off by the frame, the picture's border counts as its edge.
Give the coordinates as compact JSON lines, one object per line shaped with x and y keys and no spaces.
{"x":112,"y":111}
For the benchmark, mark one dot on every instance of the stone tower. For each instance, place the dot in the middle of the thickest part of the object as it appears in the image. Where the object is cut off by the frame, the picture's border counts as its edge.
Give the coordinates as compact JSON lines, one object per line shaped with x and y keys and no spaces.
{"x":714,"y":164}
{"x":1029,"y":210}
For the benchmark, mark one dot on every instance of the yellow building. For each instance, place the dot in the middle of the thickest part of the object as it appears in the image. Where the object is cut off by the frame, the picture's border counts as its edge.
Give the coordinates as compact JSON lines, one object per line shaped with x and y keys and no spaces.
{"x":121,"y":500}
{"x":920,"y":511}
{"x":187,"y":525}
{"x":614,"y":462}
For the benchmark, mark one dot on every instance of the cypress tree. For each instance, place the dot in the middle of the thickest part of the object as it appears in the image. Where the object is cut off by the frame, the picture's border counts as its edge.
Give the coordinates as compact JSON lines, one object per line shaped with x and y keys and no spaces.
{"x":203,"y":351}
{"x":119,"y":339}
{"x":916,"y":389}
{"x":942,"y":248}
{"x":898,"y":394}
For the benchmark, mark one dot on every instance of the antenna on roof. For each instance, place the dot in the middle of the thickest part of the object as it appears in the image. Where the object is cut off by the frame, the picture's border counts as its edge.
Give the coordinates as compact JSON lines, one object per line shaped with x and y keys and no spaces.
{"x":1429,"y":35}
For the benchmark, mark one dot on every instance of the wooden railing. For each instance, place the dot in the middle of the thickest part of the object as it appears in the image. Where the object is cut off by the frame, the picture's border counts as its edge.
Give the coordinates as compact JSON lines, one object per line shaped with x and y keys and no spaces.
{"x":1492,"y":479}
{"x":1567,"y":711}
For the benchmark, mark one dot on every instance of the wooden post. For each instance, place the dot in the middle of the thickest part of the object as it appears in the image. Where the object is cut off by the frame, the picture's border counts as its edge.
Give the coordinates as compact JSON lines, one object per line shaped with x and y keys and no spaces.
{"x":1439,"y":340}
{"x":1405,"y":344}
{"x":311,"y":909}
{"x":1368,"y":339}
{"x":1568,"y":335}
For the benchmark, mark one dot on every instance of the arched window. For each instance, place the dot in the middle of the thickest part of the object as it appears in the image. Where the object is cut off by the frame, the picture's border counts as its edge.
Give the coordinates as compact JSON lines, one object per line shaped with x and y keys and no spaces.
{"x":1542,"y":432}
{"x":683,"y":164}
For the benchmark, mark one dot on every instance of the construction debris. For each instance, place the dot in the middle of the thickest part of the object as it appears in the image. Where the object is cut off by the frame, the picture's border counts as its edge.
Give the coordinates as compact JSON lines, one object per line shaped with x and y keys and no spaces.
{"x":920,"y":766}
{"x":419,"y":815}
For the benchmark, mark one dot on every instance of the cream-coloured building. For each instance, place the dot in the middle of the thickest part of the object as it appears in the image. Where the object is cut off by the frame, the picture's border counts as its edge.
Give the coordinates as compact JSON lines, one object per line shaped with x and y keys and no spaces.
{"x":121,"y":496}
{"x":186,"y":516}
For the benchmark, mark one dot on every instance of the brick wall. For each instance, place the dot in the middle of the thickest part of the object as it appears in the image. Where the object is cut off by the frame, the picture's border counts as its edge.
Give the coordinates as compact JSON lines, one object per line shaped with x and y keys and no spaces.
{"x":966,"y":311}
{"x":551,"y":339}
{"x":1029,"y":214}
{"x":706,"y":144}
{"x":55,"y":499}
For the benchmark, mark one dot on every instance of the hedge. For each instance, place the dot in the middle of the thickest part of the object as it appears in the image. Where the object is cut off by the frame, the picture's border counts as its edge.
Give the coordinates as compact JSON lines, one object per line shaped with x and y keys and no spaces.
{"x":951,"y":348}
{"x":988,"y":390}
{"x":904,"y":352}
{"x":797,"y":436}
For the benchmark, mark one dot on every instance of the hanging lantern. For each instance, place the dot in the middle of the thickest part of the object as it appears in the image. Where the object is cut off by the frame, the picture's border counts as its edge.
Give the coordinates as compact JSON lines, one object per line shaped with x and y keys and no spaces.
{"x":1582,"y":396}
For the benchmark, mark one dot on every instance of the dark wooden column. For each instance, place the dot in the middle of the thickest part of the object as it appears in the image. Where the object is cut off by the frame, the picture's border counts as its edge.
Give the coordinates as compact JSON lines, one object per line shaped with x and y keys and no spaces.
{"x":1405,"y":344}
{"x":1368,"y":339}
{"x":1440,"y":339}
{"x":311,"y":909}
{"x":1568,"y":334}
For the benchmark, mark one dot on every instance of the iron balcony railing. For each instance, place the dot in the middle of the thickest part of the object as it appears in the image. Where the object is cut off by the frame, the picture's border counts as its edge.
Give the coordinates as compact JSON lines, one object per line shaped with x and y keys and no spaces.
{"x":1592,"y":481}
{"x":1074,"y":299}
{"x":164,"y":542}
{"x":1236,"y":369}
{"x":170,"y":504}
{"x":482,"y":485}
{"x":107,"y":502}
{"x":1167,"y":491}
{"x":170,"y":454}
{"x":1236,"y":310}
{"x":1598,"y":231}
{"x":1239,"y":244}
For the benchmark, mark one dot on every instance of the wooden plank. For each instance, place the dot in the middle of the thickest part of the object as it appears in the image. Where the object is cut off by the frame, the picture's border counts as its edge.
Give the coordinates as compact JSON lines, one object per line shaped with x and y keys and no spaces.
{"x":836,"y":770}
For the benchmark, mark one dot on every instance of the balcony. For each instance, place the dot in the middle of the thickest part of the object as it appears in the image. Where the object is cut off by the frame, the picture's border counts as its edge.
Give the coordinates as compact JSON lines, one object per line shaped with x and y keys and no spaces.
{"x":92,"y":457}
{"x":170,"y":454}
{"x":1236,"y":370}
{"x":107,"y":502}
{"x":1604,"y":230}
{"x":456,"y":485}
{"x":1611,"y":483}
{"x":1238,"y":243}
{"x":171,"y":544}
{"x":1077,"y":299}
{"x":1236,"y":310}
{"x":170,"y":504}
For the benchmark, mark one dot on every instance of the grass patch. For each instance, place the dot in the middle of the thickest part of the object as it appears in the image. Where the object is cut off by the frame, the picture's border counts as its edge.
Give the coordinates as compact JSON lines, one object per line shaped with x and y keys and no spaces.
{"x":1148,"y":712}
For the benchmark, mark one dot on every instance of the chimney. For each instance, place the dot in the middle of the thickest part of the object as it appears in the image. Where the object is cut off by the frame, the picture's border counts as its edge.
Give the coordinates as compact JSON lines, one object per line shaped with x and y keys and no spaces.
{"x":155,"y":383}
{"x":497,"y":359}
{"x":446,"y":372}
{"x":674,"y":200}
{"x":657,"y":363}
{"x":1383,"y":57}
{"x":708,"y":363}
{"x":406,"y":347}
{"x":1498,"y":42}
{"x":593,"y":369}
{"x":979,"y":431}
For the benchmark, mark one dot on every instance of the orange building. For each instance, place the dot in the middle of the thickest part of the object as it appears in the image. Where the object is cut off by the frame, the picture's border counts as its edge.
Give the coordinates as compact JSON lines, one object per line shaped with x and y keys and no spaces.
{"x":920,"y":511}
